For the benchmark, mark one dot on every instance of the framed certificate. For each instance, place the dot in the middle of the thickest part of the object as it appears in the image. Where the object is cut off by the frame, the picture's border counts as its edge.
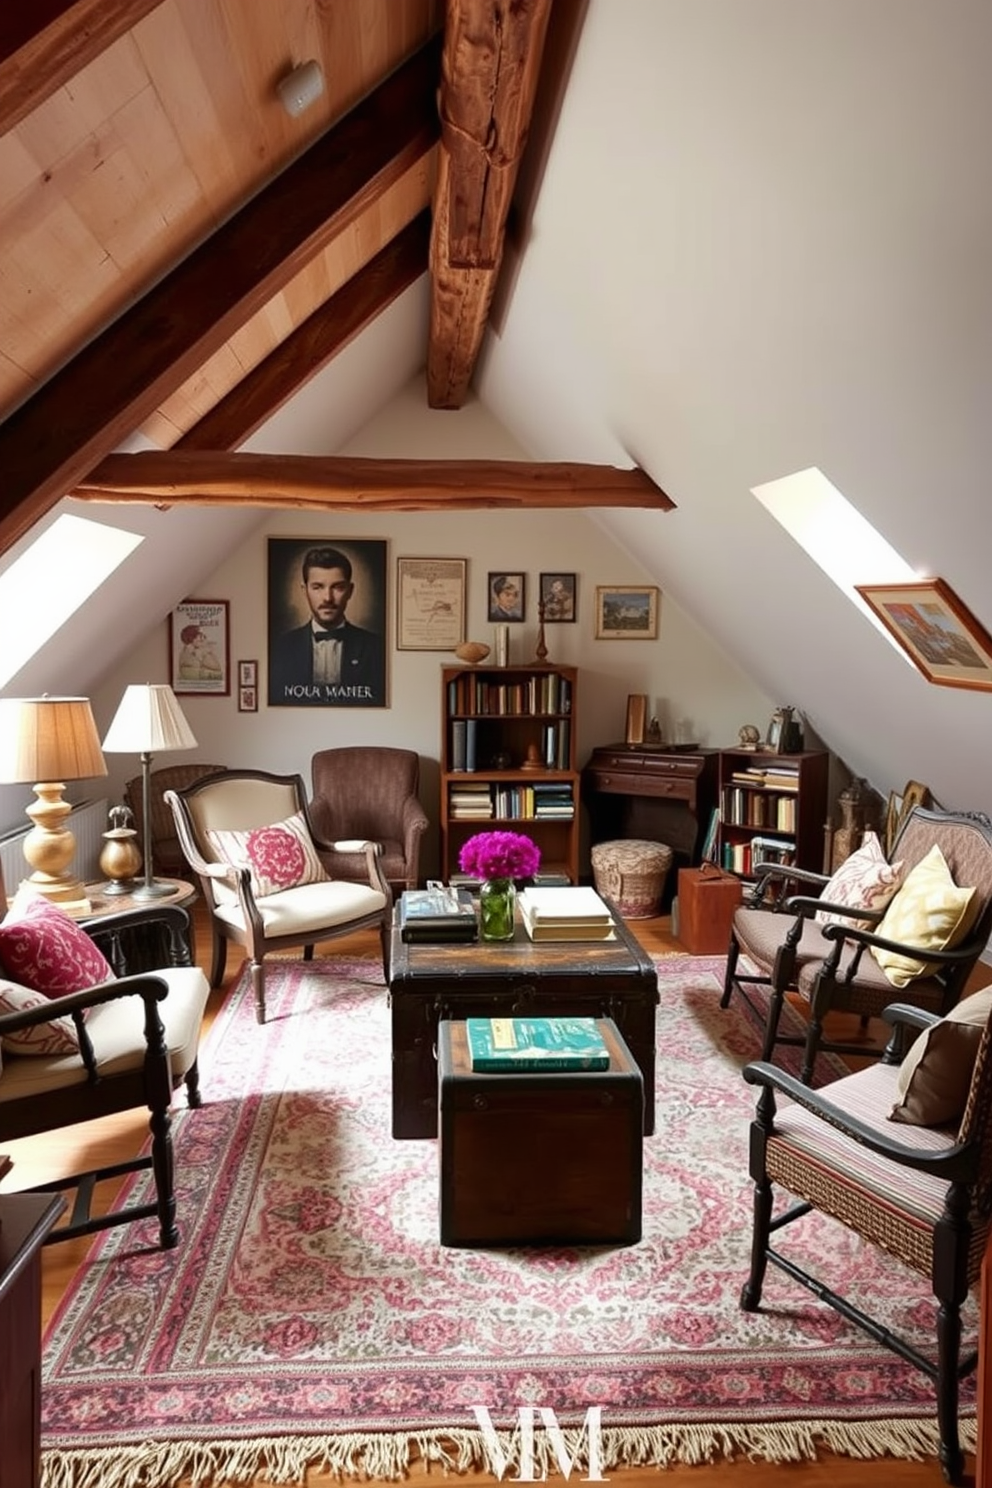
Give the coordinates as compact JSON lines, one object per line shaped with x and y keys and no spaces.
{"x":430,"y":603}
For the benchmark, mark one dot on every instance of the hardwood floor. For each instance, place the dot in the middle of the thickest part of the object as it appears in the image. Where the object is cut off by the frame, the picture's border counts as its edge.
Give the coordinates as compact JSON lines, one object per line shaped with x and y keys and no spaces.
{"x":115,"y":1138}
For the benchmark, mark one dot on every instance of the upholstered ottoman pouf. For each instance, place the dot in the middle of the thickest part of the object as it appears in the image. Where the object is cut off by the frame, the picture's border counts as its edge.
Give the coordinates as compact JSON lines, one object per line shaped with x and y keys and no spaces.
{"x":632,"y":873}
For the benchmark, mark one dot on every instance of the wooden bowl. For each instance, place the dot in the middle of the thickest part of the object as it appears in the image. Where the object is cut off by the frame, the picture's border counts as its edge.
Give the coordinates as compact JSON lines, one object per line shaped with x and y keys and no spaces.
{"x":472,"y":651}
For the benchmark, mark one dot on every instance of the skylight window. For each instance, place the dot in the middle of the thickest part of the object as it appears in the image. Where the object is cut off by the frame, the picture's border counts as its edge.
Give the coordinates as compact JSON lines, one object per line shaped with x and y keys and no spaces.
{"x":836,"y":536}
{"x":67,"y":563}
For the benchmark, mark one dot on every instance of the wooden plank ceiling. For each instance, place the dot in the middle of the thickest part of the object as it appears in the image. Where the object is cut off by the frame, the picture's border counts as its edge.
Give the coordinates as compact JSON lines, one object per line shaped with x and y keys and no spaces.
{"x":180,"y":255}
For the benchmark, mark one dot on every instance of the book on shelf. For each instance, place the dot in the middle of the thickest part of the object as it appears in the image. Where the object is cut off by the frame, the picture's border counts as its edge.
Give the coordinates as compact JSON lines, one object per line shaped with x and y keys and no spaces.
{"x":437,"y":913}
{"x":508,"y":1045}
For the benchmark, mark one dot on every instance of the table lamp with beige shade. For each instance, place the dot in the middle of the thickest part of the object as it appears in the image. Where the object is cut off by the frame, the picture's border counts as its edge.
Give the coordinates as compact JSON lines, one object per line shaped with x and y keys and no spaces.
{"x":50,"y":740}
{"x":148,"y":720}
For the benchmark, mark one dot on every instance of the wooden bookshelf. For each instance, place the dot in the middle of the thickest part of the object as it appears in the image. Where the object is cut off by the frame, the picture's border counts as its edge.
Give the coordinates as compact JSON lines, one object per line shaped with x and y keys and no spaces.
{"x":508,"y":742}
{"x":772,"y":806}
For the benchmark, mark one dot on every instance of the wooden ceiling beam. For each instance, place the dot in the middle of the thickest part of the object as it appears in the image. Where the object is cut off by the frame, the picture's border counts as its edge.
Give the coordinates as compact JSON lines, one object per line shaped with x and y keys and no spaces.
{"x":313,"y":344}
{"x":82,"y":413}
{"x":490,"y":67}
{"x":44,"y":43}
{"x":320,"y":482}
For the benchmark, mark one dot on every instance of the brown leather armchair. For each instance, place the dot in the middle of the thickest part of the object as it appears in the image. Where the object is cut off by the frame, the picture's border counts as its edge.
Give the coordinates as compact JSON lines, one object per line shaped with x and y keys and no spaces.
{"x":370,"y":792}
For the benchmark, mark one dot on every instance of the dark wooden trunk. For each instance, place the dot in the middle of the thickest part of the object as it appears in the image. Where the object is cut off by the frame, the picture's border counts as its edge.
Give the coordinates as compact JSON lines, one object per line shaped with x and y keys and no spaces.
{"x":539,"y":1158}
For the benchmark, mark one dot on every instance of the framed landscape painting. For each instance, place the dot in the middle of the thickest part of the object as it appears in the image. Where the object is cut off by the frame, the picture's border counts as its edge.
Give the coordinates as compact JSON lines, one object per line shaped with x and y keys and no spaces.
{"x":936,"y":630}
{"x":626,"y":612}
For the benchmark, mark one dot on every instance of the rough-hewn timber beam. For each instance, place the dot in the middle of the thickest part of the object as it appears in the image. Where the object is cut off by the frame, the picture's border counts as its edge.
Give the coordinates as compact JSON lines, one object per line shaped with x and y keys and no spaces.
{"x":46,"y":42}
{"x":204,"y":478}
{"x":50,"y":443}
{"x":489,"y":73}
{"x":312,"y":345}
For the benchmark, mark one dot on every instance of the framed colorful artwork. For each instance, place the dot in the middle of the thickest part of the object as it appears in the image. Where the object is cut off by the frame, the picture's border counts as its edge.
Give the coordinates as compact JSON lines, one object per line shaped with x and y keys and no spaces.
{"x":936,"y":630}
{"x":626,"y":612}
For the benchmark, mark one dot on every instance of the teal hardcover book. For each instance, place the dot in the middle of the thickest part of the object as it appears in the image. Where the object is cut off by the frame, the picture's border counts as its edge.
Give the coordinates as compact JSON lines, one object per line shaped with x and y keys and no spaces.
{"x":508,"y":1045}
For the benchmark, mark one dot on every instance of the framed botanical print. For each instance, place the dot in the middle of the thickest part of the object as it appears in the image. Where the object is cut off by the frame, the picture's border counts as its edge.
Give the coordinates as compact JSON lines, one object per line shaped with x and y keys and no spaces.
{"x":430,"y":603}
{"x":199,"y":648}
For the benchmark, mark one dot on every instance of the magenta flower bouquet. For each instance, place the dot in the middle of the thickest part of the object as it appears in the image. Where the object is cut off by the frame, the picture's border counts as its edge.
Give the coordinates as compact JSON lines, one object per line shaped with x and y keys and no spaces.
{"x":499,"y":855}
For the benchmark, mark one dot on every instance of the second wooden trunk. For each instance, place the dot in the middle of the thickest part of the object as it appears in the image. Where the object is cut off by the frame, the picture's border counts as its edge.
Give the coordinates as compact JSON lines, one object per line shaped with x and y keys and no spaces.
{"x":539,"y":1158}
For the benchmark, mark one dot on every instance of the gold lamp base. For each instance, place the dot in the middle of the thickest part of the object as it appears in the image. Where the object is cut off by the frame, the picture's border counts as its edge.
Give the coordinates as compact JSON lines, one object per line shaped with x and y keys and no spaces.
{"x":49,"y":849}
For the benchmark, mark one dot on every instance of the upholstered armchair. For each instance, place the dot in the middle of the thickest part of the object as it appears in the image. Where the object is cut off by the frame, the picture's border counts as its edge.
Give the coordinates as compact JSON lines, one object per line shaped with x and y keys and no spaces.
{"x":270,"y":882}
{"x":900,"y":1154}
{"x":110,"y":1046}
{"x":371,"y":792}
{"x":167,"y":855}
{"x":875,"y":930}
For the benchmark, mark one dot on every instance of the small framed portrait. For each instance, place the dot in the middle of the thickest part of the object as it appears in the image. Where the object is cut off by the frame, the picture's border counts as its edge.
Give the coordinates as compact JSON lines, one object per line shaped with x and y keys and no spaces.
{"x":626,"y":612}
{"x":247,"y":686}
{"x":506,"y":597}
{"x":937,"y":631}
{"x":558,"y":596}
{"x":199,"y":654}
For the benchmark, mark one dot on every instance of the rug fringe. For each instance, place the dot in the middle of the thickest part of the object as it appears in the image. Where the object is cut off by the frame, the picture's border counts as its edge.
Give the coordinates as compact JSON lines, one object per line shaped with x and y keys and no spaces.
{"x":388,"y":1456}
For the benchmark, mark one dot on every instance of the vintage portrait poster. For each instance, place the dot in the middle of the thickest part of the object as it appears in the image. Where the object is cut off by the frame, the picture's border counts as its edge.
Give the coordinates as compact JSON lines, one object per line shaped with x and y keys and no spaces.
{"x":326,"y":623}
{"x":430,"y":603}
{"x":199,"y":648}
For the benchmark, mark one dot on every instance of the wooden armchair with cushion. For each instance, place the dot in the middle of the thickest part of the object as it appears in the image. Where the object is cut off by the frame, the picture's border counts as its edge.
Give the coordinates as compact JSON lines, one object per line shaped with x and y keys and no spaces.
{"x":371,"y":792}
{"x":915,"y":925}
{"x":167,"y":855}
{"x":901,"y":1154}
{"x":76,"y":1043}
{"x":270,"y":883}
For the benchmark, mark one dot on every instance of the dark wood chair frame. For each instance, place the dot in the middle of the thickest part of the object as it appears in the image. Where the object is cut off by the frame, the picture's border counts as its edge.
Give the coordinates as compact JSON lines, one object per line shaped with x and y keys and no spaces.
{"x":150,"y":1085}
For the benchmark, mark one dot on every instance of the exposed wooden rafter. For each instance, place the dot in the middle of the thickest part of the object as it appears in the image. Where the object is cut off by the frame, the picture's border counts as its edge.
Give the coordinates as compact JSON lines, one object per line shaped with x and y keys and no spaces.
{"x":489,"y":74}
{"x":45,"y":43}
{"x":49,"y":444}
{"x":195,"y":478}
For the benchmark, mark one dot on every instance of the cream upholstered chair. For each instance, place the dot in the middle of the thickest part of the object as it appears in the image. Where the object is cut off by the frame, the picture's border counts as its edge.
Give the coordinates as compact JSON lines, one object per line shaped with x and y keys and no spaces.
{"x":919,"y":1185}
{"x":269,"y":881}
{"x":368,"y":791}
{"x":831,"y":965}
{"x":136,"y":1041}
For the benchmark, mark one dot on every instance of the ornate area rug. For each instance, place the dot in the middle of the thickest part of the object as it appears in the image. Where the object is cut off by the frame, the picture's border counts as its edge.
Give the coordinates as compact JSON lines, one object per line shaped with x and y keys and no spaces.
{"x":309,"y":1316}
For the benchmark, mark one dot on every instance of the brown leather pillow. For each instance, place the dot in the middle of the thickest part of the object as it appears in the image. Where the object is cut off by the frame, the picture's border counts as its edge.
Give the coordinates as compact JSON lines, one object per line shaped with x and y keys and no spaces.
{"x":935,"y":1076}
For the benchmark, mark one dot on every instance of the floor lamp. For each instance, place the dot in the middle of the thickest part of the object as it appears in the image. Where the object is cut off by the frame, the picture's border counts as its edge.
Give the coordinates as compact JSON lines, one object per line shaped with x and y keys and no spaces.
{"x":148,"y":720}
{"x":50,"y":740}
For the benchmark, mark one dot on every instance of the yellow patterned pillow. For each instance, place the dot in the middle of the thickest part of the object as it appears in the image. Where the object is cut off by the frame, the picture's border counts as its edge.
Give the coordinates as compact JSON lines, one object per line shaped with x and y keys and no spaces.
{"x":929,"y":912}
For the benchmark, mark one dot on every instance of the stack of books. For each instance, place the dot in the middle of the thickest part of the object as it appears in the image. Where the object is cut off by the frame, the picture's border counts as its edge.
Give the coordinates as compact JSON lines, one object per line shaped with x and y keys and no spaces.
{"x":437,"y":914}
{"x":534,"y":1045}
{"x":560,"y":913}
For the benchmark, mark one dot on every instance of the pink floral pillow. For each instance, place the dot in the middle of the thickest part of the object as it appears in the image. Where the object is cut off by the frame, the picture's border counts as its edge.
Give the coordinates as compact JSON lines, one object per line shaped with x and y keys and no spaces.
{"x":281,"y":856}
{"x":865,"y":880}
{"x":42,"y":948}
{"x":57,"y":1036}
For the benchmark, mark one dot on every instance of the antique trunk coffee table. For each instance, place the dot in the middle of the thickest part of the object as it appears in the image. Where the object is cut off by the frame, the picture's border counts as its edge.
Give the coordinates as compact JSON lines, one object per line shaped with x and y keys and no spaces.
{"x":587,"y":979}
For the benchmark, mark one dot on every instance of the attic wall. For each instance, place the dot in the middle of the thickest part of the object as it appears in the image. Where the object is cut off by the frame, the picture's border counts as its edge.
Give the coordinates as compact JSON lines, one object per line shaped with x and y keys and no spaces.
{"x":686,"y":678}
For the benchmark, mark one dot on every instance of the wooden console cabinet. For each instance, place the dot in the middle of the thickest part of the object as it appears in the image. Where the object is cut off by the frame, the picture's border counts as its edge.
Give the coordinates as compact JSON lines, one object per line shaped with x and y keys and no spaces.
{"x":25,"y":1220}
{"x":665,"y":795}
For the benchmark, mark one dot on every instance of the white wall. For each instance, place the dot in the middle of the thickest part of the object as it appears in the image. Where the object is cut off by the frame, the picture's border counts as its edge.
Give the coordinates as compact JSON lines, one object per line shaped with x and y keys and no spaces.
{"x":685,"y":677}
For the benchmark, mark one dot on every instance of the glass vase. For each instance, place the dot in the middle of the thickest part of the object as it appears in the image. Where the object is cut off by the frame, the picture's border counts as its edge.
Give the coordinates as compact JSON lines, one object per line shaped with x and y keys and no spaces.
{"x":497,"y":897}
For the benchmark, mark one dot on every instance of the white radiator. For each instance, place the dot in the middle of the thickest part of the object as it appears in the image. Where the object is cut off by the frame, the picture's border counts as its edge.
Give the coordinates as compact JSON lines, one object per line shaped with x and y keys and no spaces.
{"x":87,"y":823}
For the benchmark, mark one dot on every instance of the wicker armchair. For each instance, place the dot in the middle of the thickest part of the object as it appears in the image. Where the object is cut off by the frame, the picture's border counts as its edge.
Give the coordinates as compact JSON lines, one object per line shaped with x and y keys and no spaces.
{"x":830,"y":965}
{"x":923,"y":1193}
